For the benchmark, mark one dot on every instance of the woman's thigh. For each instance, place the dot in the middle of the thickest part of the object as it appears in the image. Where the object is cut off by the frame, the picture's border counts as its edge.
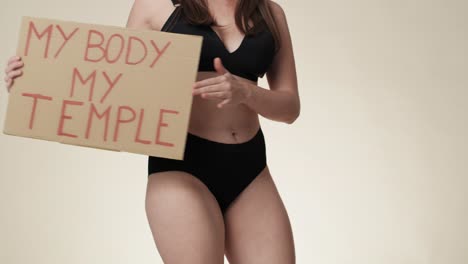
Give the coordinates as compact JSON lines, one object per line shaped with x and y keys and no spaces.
{"x":257,"y":225}
{"x":184,"y":218}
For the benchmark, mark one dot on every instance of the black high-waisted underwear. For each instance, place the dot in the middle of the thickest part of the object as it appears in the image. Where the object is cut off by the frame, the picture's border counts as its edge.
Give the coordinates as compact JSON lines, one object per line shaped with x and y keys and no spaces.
{"x":225,"y":168}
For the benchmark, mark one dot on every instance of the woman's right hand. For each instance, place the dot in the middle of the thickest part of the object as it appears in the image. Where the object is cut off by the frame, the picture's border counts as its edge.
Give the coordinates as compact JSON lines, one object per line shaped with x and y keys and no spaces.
{"x":13,"y":70}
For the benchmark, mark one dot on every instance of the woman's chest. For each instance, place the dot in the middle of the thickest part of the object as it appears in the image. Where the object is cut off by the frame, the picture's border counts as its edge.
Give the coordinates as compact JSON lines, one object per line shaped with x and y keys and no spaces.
{"x":250,"y":59}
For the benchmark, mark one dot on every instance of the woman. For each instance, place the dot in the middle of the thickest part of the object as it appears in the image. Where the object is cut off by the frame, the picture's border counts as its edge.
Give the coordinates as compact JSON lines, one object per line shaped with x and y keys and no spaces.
{"x":221,"y":199}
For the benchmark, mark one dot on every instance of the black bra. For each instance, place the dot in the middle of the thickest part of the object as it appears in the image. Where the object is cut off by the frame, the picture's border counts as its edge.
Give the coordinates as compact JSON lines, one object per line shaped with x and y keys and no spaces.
{"x":250,"y":60}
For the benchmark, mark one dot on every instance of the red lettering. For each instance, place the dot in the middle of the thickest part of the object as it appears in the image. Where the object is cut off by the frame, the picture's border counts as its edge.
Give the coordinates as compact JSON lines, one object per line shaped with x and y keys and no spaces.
{"x":65,"y":37}
{"x":122,"y":45}
{"x":129,"y":50}
{"x":63,"y":117}
{"x":158,"y":51}
{"x":92,"y":111}
{"x":33,"y":112}
{"x":92,"y":76}
{"x":104,"y":49}
{"x":120,"y":120}
{"x":48,"y":31}
{"x":137,"y":135}
{"x":90,"y":45}
{"x":161,"y":124}
{"x":111,"y":83}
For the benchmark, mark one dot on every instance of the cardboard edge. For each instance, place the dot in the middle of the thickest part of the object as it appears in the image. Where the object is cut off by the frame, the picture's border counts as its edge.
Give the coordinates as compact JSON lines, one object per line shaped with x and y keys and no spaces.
{"x":89,"y":146}
{"x":112,"y":26}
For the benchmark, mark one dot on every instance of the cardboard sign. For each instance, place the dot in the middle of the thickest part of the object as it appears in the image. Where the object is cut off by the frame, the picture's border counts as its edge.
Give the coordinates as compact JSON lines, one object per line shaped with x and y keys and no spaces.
{"x":104,"y":87}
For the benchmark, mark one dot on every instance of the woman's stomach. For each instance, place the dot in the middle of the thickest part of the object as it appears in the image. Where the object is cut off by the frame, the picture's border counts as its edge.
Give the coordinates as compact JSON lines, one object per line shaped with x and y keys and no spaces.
{"x":233,"y":123}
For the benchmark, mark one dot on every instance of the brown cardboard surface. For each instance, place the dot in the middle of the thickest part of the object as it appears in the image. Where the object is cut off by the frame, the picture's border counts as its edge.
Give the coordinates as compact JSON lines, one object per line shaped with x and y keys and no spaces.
{"x":105,"y":87}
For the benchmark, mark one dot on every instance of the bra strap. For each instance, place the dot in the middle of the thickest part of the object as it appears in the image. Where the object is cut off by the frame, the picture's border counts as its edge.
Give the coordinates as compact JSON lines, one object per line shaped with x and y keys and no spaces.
{"x":172,"y":20}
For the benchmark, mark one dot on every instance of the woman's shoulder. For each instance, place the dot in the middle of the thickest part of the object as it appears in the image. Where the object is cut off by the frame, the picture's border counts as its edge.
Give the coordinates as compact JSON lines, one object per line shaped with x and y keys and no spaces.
{"x":276,"y":8}
{"x":152,"y":13}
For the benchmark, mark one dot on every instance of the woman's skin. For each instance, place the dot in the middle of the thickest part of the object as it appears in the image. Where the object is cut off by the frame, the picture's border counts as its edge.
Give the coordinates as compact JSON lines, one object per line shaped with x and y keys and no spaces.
{"x":183,"y":215}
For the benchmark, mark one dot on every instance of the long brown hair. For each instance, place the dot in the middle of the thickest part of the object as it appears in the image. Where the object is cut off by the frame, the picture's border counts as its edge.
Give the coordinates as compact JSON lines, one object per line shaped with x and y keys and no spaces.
{"x":196,"y":12}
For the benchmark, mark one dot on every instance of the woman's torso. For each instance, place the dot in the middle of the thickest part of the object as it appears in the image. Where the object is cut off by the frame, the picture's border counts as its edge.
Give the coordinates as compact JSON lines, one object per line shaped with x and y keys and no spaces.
{"x":233,"y":123}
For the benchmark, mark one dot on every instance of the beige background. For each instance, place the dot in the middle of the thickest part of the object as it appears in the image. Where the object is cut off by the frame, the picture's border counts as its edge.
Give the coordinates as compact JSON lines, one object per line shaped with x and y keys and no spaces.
{"x":374,"y":170}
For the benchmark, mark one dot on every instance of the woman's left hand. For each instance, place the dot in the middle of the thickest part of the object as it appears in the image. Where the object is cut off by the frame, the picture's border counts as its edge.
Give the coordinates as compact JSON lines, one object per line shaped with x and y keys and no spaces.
{"x":227,"y":87}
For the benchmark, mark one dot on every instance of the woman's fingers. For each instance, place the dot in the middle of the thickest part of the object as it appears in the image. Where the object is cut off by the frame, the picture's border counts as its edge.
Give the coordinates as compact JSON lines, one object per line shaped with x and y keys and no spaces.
{"x":14,"y":58}
{"x":210,"y":88}
{"x":14,"y":65}
{"x":12,"y":70}
{"x":214,"y":95}
{"x":14,"y":73}
{"x":8,"y":82}
{"x":210,"y":81}
{"x":13,"y":62}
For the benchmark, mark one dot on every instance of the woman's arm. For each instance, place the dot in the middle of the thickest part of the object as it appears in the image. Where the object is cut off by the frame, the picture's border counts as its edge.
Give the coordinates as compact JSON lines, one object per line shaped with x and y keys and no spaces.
{"x":281,"y":102}
{"x":149,"y":14}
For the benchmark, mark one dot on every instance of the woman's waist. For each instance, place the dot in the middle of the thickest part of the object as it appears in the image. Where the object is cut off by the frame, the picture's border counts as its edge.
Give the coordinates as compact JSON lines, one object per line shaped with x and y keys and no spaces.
{"x":224,"y":129}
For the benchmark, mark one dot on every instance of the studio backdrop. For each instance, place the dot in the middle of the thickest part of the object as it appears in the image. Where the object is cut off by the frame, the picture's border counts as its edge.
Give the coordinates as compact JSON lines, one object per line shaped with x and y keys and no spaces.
{"x":374,"y":170}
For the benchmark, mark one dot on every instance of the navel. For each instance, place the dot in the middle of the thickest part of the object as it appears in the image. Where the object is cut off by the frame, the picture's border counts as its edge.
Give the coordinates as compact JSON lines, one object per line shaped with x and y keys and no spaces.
{"x":234,"y":135}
